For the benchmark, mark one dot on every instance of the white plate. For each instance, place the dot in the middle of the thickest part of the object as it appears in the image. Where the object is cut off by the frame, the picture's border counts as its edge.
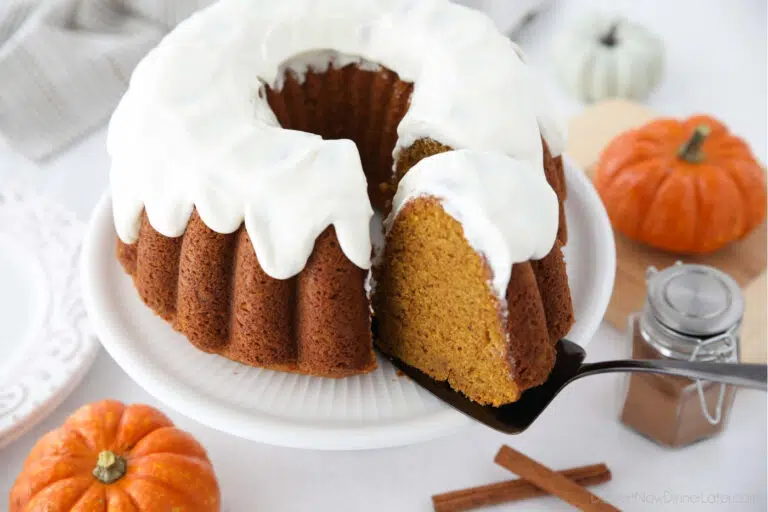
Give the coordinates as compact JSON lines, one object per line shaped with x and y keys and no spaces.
{"x":361,"y":412}
{"x":46,"y":346}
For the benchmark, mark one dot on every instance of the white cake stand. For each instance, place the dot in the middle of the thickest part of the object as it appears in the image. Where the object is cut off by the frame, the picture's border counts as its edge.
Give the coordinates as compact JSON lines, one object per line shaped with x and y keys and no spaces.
{"x":362,"y":412}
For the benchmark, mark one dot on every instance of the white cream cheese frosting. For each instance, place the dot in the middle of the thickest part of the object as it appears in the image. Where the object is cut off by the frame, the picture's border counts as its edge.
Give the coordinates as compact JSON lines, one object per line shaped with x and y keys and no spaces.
{"x":194,"y":129}
{"x":506,"y":208}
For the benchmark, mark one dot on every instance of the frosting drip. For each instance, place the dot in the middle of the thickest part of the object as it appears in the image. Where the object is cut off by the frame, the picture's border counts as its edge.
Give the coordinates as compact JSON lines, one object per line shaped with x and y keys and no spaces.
{"x":507,"y":210}
{"x":194,"y":129}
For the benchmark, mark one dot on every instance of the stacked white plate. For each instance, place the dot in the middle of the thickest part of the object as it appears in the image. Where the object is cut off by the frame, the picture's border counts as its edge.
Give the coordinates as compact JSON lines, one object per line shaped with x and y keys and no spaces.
{"x":45,"y":344}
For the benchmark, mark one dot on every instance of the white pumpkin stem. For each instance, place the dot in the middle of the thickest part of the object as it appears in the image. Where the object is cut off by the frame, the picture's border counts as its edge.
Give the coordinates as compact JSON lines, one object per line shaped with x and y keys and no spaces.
{"x":691,"y":150}
{"x":609,"y":39}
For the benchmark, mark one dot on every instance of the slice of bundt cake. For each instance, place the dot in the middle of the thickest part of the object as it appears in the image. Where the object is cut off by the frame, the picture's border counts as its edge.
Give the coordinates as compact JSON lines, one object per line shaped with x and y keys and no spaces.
{"x":470,"y":286}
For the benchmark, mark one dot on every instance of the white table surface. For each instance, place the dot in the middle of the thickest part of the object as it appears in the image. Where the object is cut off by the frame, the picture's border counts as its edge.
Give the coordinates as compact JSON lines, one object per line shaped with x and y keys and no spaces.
{"x":716,"y":64}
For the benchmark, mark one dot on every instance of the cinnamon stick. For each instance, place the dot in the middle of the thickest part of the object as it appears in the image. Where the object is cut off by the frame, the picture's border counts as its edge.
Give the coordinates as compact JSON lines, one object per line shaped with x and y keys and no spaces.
{"x":513,"y":490}
{"x":550,"y":481}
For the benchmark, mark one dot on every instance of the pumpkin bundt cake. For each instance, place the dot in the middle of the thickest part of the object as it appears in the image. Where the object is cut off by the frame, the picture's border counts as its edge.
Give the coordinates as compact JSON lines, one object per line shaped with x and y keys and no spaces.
{"x":255,"y":143}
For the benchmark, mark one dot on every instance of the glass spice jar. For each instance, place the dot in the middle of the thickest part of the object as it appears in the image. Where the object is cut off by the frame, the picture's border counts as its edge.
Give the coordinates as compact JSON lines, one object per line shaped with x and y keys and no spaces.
{"x":694,"y":313}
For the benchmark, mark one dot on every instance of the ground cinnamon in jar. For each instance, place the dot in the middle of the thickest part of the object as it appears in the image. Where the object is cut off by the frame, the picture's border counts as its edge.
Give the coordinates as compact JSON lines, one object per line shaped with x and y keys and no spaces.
{"x":691,"y":312}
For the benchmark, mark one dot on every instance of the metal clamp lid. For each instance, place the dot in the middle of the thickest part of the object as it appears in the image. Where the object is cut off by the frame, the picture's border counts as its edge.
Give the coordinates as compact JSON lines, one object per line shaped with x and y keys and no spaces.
{"x":694,"y":300}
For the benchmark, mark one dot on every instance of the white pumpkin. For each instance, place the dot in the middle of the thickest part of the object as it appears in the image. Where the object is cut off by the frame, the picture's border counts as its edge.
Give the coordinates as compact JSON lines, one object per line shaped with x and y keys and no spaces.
{"x":608,"y":57}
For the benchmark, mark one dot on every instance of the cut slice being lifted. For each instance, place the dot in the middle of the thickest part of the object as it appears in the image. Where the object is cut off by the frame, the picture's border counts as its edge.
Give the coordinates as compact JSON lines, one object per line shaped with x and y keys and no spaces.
{"x":446,"y":307}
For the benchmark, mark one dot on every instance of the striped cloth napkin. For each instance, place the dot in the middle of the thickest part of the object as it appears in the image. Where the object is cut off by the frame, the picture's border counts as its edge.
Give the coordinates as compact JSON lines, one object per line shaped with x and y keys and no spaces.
{"x":65,"y":63}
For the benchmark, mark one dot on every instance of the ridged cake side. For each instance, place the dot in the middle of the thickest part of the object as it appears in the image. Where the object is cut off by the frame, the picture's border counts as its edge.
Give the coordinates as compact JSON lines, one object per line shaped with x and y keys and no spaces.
{"x":553,"y":169}
{"x":211,"y":288}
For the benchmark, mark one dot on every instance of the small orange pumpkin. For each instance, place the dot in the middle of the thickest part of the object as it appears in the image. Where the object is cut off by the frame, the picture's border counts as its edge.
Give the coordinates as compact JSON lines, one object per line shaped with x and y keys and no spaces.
{"x":683,"y":186}
{"x":111,"y":457}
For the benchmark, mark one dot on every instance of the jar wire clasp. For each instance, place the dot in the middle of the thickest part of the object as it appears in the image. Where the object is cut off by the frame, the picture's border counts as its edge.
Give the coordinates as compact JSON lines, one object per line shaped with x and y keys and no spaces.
{"x":729,"y":340}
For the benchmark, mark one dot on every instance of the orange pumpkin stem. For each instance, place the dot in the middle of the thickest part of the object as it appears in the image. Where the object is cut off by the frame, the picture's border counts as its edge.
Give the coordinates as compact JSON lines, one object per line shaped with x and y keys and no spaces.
{"x":109,"y":467}
{"x":691,"y":150}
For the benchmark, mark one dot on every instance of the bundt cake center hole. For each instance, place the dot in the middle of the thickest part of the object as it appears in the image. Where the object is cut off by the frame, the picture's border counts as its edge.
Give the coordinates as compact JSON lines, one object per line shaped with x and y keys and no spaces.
{"x":345,"y":98}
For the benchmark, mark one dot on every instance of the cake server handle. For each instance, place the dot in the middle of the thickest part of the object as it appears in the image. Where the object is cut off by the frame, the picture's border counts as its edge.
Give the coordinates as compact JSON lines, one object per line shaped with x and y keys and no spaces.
{"x":738,"y":374}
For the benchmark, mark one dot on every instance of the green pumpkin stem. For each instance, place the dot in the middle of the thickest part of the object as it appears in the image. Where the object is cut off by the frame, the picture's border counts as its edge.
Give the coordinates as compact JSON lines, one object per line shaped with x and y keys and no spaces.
{"x":691,"y":150}
{"x":109,"y":467}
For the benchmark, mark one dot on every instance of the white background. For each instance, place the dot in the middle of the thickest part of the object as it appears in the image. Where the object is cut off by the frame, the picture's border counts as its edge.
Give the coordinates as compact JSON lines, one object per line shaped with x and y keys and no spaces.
{"x":716,"y":64}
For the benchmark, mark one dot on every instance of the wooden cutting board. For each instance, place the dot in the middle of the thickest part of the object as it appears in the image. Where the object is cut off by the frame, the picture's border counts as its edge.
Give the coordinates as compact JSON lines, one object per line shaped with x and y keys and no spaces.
{"x":745,"y":261}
